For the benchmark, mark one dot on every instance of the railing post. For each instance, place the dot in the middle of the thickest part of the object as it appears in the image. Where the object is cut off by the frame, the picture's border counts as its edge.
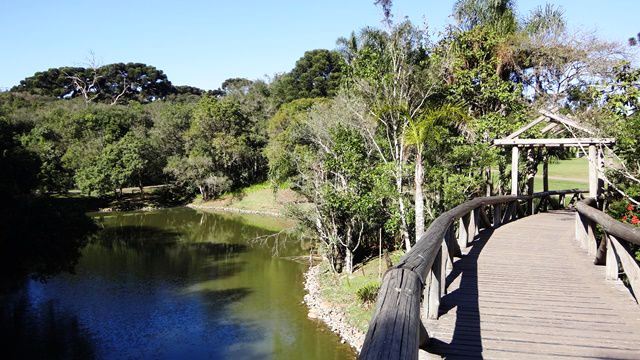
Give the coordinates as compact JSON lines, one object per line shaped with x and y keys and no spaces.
{"x":581,"y":235}
{"x":561,"y":201}
{"x":444,"y":268}
{"x":497,"y":215}
{"x":472,"y":228}
{"x":432,"y":291}
{"x":612,"y":261}
{"x":592,"y":244}
{"x":451,"y":246}
{"x":463,"y":224}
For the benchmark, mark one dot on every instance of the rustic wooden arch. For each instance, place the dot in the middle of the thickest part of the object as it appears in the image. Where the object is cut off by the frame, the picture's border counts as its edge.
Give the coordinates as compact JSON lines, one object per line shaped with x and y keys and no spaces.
{"x":556,"y":125}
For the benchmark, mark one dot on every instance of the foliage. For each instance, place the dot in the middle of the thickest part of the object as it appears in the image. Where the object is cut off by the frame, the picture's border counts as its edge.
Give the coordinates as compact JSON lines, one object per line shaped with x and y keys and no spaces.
{"x":368,"y":293}
{"x":113,"y":83}
{"x":317,"y":73}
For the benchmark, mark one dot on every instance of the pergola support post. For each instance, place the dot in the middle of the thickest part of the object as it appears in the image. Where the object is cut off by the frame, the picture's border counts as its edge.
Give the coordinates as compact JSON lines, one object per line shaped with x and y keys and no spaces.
{"x":593,"y":171}
{"x":515,"y":154}
{"x":545,"y":170}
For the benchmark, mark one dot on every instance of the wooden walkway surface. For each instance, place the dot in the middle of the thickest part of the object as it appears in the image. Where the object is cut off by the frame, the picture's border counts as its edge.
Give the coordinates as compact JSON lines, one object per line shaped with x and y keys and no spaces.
{"x":527,"y":290}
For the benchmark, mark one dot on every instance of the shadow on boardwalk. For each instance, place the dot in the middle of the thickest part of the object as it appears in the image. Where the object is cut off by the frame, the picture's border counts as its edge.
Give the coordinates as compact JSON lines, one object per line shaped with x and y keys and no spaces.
{"x":466,"y":342}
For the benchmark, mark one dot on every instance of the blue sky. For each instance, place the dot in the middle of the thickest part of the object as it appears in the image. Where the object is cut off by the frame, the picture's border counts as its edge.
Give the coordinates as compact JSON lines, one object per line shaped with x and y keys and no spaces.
{"x":202,"y":43}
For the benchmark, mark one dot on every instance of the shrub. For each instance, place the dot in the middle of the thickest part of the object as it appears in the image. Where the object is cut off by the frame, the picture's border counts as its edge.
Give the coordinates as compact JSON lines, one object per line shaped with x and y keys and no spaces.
{"x":367,"y":293}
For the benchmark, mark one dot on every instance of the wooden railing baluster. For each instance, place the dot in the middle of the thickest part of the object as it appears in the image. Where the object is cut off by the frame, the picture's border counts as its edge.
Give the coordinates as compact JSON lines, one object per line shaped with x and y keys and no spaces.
{"x":612,"y":270}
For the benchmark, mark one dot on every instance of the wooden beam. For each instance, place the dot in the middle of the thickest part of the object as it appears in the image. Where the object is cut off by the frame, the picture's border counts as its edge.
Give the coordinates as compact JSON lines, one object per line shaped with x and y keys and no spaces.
{"x":565,"y":121}
{"x":533,"y":123}
{"x":515,"y":154}
{"x":593,"y":171}
{"x":556,"y":142}
{"x":548,"y":127}
{"x":545,"y":171}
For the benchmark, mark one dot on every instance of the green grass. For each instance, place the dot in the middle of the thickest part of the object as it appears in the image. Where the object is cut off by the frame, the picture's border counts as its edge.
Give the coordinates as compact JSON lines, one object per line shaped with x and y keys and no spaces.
{"x":340,"y":290}
{"x":563,"y":175}
{"x":259,"y":198}
{"x":577,"y":169}
{"x":559,"y":185}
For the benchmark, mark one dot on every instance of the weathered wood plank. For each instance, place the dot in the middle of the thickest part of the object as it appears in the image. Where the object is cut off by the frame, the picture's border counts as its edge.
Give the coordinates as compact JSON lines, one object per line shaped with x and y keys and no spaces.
{"x":394,"y":330}
{"x":612,"y":260}
{"x":629,"y":264}
{"x":542,"y":300}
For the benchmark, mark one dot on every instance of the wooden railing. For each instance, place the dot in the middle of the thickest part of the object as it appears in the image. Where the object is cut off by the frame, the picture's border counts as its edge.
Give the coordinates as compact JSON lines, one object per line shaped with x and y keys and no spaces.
{"x":417,"y":283}
{"x":610,"y":248}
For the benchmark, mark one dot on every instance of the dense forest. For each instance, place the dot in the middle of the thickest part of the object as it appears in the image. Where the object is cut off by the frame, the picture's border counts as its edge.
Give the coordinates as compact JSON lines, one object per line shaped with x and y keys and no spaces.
{"x":381,"y":134}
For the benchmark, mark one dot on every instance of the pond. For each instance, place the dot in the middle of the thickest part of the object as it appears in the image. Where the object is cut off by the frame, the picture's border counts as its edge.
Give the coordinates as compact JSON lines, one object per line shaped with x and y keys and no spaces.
{"x":173,"y":284}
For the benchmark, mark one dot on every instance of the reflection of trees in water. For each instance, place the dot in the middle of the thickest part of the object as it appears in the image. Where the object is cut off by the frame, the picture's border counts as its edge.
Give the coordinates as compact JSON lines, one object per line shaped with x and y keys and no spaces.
{"x":133,"y":245}
{"x":187,"y":225}
{"x":41,"y":331}
{"x":41,"y":237}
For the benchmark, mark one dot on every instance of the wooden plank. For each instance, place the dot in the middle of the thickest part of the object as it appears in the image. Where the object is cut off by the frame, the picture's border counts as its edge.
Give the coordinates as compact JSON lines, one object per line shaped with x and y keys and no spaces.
{"x":548,"y":127}
{"x":612,"y":269}
{"x":394,"y":330}
{"x":592,"y":244}
{"x":629,"y":264}
{"x":564,"y":120}
{"x":533,"y":123}
{"x":551,"y":302}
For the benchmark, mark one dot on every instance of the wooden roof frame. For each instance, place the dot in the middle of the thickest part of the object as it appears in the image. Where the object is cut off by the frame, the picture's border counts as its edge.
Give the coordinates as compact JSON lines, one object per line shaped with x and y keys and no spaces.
{"x":557,"y":124}
{"x":554,"y":121}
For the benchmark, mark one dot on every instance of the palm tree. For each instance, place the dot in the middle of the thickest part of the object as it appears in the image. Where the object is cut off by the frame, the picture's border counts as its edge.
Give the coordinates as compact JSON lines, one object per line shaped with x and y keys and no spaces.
{"x":427,"y":132}
{"x":498,"y":14}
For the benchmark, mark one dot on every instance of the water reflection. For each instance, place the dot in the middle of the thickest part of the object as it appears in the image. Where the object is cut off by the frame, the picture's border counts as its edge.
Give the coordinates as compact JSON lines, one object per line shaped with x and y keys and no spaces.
{"x":171,"y":284}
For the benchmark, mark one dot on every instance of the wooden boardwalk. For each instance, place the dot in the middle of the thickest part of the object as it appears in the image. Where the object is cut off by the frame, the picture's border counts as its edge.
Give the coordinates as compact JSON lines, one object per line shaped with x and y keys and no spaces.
{"x":527,"y":290}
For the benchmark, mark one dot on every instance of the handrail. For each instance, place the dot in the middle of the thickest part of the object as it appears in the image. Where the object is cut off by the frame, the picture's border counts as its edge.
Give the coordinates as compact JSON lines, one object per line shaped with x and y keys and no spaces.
{"x":610,"y":225}
{"x":610,"y":250}
{"x":395,"y":330}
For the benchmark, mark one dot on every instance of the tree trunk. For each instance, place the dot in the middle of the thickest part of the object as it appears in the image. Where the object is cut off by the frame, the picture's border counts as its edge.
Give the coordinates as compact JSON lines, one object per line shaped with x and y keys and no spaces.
{"x":202,"y":192}
{"x":141,"y":189}
{"x":348,"y":260}
{"x":419,"y":196}
{"x":404,"y":228}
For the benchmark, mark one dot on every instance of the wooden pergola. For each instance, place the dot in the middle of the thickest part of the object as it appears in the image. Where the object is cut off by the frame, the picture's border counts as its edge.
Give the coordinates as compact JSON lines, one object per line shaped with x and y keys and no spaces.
{"x":557,"y":124}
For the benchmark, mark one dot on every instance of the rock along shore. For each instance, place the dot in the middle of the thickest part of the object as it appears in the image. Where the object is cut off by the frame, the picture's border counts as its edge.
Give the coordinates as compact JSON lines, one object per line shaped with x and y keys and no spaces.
{"x":323,"y":310}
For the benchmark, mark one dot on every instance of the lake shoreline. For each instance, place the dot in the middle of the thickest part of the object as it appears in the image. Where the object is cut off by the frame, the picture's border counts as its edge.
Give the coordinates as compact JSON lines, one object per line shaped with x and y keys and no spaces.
{"x":324,"y":311}
{"x":235,"y":210}
{"x":317,"y":307}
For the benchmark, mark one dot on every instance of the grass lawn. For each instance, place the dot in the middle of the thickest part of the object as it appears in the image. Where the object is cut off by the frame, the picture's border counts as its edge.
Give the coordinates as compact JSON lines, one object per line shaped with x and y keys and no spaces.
{"x":259,"y":198}
{"x":339,"y":290}
{"x":563,"y":175}
{"x":574,"y":169}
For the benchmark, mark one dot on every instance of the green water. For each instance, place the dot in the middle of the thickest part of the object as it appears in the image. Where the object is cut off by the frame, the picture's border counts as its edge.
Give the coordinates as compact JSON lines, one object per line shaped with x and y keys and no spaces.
{"x":173,"y":284}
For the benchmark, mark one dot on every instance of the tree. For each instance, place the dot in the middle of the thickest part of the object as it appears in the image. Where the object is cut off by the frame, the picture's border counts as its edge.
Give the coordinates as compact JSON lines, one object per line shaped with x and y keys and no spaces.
{"x":287,"y":129}
{"x":112,"y":84}
{"x":316,"y":74}
{"x":120,"y":164}
{"x":394,"y":82}
{"x":497,"y":14}
{"x":336,"y":170}
{"x":199,"y":172}
{"x":425,"y":134}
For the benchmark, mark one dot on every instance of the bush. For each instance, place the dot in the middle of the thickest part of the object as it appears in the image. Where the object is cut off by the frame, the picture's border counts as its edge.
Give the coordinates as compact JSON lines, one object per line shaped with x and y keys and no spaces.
{"x":367,"y":293}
